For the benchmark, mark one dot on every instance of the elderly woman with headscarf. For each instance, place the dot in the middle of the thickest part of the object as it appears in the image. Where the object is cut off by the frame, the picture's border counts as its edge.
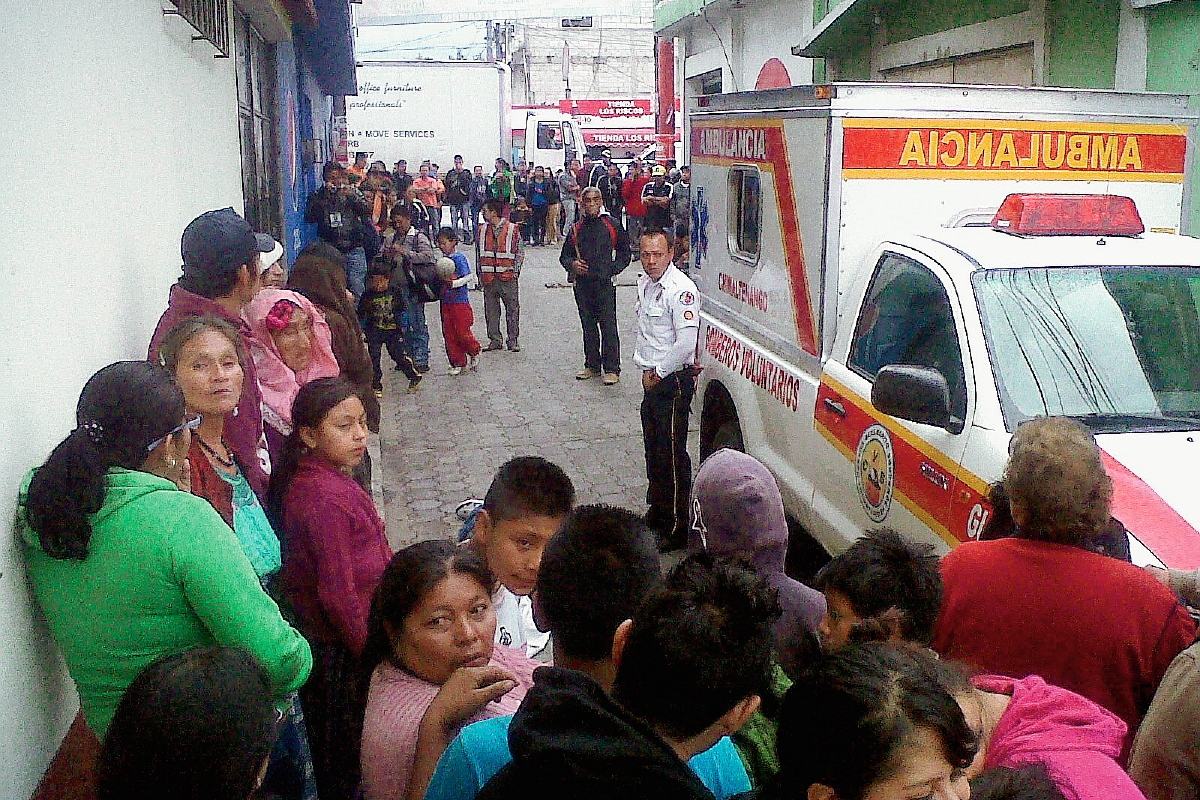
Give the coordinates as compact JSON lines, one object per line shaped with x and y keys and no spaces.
{"x":292,"y":345}
{"x":319,"y":274}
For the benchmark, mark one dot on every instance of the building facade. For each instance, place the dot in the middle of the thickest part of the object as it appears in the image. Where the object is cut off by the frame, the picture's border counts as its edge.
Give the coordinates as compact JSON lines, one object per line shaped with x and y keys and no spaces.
{"x":123,"y":122}
{"x":1129,"y":45}
{"x":613,"y":57}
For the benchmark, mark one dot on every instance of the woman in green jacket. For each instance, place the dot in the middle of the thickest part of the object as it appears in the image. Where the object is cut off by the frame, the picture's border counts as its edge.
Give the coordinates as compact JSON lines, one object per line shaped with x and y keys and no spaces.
{"x":128,"y":568}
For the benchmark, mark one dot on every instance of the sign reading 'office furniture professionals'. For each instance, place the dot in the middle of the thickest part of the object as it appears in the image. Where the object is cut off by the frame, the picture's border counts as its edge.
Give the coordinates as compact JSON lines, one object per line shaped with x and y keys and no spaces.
{"x":429,"y":110}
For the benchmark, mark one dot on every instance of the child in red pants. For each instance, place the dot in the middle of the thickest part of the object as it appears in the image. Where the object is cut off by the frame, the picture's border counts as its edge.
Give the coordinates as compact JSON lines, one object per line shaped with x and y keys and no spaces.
{"x":461,"y":346}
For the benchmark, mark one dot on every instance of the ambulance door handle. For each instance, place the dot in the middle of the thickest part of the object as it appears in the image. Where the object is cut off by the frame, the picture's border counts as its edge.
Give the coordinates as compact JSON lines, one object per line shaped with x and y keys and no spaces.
{"x":835,"y":407}
{"x":934,"y":476}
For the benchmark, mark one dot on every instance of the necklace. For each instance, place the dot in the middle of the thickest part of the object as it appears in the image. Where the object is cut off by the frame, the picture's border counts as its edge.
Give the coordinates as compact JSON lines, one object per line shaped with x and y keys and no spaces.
{"x":228,"y":462}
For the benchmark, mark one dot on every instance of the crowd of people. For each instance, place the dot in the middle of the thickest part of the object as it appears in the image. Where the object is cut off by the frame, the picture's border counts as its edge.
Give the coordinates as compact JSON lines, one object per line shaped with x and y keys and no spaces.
{"x":210,"y":562}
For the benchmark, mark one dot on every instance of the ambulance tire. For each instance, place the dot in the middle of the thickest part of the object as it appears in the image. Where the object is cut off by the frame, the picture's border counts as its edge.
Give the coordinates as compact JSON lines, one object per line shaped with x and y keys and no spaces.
{"x":719,"y":423}
{"x":728,"y":435}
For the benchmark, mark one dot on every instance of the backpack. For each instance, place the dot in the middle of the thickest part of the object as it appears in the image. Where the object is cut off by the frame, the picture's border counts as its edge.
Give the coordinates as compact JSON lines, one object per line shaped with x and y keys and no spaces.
{"x":423,"y":280}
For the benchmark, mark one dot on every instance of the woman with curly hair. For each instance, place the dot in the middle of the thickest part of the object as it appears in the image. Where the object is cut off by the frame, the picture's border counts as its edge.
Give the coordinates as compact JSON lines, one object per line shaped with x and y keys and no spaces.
{"x":1042,"y":603}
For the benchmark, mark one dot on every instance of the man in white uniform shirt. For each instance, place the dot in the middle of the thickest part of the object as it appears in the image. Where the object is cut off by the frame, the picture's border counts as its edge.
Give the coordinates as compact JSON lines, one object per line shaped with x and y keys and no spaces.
{"x":668,"y":312}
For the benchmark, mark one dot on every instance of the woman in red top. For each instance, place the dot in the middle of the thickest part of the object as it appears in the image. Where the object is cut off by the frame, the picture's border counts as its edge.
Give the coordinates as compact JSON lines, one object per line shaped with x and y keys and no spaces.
{"x":1040,"y":603}
{"x":334,"y":552}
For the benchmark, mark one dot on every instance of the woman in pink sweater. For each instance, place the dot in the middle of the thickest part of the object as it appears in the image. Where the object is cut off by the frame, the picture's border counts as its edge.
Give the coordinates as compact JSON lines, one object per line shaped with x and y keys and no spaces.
{"x":430,"y":637}
{"x":1029,"y":721}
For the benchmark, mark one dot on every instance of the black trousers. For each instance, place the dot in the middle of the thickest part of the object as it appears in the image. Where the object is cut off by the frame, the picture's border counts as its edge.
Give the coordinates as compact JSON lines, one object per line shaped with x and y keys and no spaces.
{"x":665,"y":410}
{"x":597,"y":303}
{"x":394,"y":340}
{"x":537,"y":232}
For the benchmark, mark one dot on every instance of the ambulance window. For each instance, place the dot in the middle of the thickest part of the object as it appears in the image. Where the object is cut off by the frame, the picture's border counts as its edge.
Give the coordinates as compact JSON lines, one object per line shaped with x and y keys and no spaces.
{"x":549,"y":136}
{"x":906,"y":319}
{"x":745,"y":212}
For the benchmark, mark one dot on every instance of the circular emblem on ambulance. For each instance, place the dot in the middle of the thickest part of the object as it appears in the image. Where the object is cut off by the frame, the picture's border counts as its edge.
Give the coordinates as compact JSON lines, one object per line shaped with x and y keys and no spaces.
{"x":875,"y":472}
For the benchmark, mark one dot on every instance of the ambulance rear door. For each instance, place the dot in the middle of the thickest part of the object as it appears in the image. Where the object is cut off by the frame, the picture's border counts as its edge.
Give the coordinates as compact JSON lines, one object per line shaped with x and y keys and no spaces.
{"x":758,"y":231}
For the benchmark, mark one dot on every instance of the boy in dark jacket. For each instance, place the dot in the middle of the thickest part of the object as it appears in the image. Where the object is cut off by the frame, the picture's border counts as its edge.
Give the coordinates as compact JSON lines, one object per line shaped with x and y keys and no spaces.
{"x":677,"y":692}
{"x":380,"y":312}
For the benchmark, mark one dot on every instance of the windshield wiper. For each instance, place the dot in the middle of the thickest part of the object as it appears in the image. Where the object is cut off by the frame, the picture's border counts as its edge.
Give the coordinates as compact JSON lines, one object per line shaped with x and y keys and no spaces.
{"x":1133,"y":423}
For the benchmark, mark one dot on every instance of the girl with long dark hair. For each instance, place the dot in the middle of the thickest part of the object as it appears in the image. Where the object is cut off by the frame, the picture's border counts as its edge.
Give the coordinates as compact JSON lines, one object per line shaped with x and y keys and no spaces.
{"x":128,"y":568}
{"x":334,"y":551}
{"x":872,"y":722}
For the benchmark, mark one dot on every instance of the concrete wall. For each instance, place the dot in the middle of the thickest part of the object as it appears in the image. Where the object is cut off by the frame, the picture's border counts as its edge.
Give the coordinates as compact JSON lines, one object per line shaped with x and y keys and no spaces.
{"x":118,"y":129}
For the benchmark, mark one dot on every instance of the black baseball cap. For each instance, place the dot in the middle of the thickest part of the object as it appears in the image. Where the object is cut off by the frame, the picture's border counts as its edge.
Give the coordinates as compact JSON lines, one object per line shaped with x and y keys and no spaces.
{"x":220,"y":242}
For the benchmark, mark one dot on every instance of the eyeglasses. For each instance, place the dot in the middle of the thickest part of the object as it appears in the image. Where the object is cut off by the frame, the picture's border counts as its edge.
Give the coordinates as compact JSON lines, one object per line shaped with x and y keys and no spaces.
{"x":188,"y":425}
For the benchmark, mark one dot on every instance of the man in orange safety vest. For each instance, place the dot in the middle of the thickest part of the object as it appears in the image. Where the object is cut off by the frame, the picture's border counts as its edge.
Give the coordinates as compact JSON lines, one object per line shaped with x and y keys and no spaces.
{"x":500,"y":262}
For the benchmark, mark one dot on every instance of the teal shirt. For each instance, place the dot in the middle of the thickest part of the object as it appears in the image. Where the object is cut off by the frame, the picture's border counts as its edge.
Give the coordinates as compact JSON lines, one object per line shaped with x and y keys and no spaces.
{"x":163,"y":574}
{"x":258,"y":539}
{"x":481,"y":749}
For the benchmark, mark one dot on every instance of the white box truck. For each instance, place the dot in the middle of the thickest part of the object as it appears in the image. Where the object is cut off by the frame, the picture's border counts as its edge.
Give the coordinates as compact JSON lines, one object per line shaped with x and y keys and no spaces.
{"x":418,"y":110}
{"x":894,"y":277}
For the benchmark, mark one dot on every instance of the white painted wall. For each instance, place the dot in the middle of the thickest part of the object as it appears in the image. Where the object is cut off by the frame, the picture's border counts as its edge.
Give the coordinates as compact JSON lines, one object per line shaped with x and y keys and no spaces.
{"x":771,"y":30}
{"x":739,"y":41}
{"x":117,"y":131}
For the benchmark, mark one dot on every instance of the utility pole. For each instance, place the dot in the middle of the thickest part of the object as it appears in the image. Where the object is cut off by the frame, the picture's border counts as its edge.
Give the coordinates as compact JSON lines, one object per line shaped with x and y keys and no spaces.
{"x":566,"y":70}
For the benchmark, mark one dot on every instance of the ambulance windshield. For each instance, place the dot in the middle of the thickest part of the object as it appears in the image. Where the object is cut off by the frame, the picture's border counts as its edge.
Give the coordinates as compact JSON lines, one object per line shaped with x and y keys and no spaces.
{"x":1116,"y":347}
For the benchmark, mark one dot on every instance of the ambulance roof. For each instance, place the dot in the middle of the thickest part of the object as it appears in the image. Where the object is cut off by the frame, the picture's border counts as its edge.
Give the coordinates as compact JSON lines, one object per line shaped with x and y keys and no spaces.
{"x":986,"y":248}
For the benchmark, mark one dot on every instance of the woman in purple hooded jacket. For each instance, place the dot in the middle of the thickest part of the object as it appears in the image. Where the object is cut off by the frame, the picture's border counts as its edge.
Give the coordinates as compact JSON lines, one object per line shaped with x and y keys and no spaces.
{"x":737,"y":510}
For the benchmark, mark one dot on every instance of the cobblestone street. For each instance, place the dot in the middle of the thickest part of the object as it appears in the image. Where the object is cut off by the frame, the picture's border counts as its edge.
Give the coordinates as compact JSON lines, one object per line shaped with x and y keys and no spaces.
{"x":443,"y":444}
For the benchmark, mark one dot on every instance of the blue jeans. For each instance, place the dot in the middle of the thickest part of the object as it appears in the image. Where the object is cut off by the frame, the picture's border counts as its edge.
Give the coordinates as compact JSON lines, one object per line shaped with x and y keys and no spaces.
{"x":416,"y":332}
{"x":460,"y":218}
{"x":356,"y":272}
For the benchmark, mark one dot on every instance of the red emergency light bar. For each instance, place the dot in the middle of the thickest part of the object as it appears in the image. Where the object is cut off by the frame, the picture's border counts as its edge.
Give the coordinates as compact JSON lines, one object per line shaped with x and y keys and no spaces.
{"x":1068,"y":215}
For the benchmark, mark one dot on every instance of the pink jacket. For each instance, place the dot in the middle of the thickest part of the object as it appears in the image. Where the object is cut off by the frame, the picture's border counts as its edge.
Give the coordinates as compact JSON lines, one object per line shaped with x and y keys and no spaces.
{"x":1077,"y":740}
{"x":395,"y":705}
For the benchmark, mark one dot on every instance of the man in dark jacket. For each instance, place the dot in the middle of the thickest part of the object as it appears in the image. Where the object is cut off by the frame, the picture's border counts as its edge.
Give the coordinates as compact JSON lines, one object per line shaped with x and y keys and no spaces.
{"x":458,"y":197}
{"x":677,"y":692}
{"x":340,"y":213}
{"x":220,"y":276}
{"x":596,"y":250}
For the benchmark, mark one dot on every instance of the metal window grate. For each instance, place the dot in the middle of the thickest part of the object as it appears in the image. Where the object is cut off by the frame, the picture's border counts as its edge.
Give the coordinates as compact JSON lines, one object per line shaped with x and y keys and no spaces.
{"x":210,"y":18}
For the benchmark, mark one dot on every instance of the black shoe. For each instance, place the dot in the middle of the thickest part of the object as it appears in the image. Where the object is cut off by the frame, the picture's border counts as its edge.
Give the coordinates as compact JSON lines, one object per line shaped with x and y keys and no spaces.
{"x":492,"y":347}
{"x":422,"y":368}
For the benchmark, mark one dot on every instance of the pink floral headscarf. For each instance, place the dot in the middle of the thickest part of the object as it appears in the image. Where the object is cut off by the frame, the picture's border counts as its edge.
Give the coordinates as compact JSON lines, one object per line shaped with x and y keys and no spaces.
{"x":279,"y":385}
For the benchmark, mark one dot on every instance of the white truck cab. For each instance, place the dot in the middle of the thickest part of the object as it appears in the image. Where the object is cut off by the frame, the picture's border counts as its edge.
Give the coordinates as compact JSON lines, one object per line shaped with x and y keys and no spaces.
{"x":895,"y":277}
{"x":552,"y":139}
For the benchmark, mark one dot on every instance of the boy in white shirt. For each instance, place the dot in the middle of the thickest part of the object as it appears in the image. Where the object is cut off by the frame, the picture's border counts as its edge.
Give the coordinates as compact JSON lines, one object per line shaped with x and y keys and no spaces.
{"x":527,"y":501}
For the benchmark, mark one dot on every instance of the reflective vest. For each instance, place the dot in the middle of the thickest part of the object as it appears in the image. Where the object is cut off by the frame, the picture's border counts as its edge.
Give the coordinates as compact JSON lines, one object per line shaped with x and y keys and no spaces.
{"x":499,"y":260}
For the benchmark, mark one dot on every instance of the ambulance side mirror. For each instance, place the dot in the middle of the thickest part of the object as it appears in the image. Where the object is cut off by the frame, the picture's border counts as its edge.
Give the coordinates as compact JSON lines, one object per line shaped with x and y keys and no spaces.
{"x":916,"y":394}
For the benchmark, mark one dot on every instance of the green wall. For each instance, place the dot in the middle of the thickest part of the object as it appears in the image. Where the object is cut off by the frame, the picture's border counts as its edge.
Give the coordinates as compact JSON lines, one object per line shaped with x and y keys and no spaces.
{"x":922,"y":17}
{"x":1081,"y":43}
{"x":1173,"y":47}
{"x":1173,"y":65}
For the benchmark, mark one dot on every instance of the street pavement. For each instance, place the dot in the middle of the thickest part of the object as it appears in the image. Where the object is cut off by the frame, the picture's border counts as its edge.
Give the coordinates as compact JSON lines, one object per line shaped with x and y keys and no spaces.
{"x":442,"y":444}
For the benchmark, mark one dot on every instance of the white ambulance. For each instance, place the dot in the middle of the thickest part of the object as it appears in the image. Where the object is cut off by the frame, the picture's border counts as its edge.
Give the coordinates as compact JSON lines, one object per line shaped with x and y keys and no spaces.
{"x":895,"y":277}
